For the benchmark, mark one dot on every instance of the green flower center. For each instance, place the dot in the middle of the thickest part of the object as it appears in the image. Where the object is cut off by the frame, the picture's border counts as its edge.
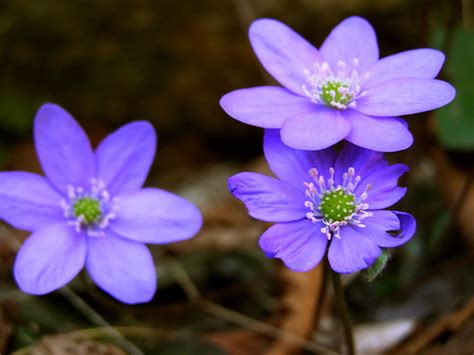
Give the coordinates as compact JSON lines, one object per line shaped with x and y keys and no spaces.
{"x":337,"y":205}
{"x":333,"y":93}
{"x":88,"y":209}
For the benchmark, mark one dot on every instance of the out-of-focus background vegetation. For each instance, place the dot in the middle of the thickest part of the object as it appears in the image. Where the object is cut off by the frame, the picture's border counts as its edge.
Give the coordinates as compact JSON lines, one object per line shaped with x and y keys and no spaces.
{"x":109,"y":62}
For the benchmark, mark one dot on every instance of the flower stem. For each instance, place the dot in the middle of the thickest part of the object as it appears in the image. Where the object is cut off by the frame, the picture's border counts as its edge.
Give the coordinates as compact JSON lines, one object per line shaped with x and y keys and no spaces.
{"x":343,"y":312}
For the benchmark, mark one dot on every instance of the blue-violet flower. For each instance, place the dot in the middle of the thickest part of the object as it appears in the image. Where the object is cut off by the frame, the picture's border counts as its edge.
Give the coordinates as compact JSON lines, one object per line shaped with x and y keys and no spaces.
{"x":91,"y":210}
{"x":324,"y":197}
{"x":341,"y":91}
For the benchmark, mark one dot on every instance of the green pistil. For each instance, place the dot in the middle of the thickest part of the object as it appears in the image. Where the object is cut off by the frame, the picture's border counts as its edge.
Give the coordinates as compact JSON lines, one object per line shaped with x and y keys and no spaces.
{"x":334,"y":86}
{"x":337,"y":205}
{"x":88,"y":208}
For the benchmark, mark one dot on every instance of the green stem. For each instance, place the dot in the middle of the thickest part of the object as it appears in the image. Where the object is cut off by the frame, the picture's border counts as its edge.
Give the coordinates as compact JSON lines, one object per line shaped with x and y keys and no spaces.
{"x":343,"y":312}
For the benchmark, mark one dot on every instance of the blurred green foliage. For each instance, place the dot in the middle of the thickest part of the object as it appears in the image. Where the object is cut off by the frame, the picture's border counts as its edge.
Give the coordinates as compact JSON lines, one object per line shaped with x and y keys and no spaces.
{"x":456,"y":121}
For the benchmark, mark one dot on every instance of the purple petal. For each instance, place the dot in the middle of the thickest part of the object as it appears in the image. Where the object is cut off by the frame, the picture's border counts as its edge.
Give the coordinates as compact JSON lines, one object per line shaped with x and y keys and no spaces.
{"x":28,"y":201}
{"x":381,"y":222}
{"x":156,"y":216}
{"x":407,"y":224}
{"x":292,"y":165}
{"x":125,"y":156}
{"x":283,"y":52}
{"x":363,"y":161}
{"x":122,"y":268}
{"x":300,"y":245}
{"x":264,"y":106}
{"x":352,"y":252}
{"x":405,"y":97}
{"x":268,"y":199}
{"x":352,"y":38}
{"x":417,"y":63}
{"x":50,"y":258}
{"x":384,"y":190}
{"x":63,"y":148}
{"x":316,"y":130}
{"x":383,"y":134}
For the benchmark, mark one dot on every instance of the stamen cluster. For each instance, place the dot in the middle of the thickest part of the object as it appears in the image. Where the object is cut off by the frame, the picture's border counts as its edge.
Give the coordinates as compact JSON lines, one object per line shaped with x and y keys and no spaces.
{"x":338,"y":89}
{"x":333,"y":205}
{"x":92,"y":209}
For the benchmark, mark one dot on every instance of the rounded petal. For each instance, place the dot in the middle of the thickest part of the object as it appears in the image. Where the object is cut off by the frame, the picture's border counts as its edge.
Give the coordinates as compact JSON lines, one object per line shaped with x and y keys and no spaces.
{"x":401,"y":225}
{"x":316,"y":130}
{"x":407,"y":224}
{"x":352,"y":38}
{"x":28,"y":201}
{"x":383,"y":134}
{"x":363,"y":161}
{"x":300,"y":245}
{"x":352,"y":252}
{"x":405,"y":97}
{"x":268,"y":199}
{"x":416,"y":63}
{"x":283,"y":52}
{"x":125,"y":157}
{"x":50,"y":258}
{"x":63,"y":148}
{"x":292,"y":165}
{"x":264,"y":106}
{"x":156,"y":216}
{"x":384,"y":190}
{"x":122,"y":268}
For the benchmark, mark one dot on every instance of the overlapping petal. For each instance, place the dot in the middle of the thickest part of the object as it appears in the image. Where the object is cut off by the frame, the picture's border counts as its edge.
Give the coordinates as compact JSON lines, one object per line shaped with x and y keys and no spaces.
{"x":316,"y":130}
{"x":265,"y":106}
{"x":125,"y":156}
{"x":283,"y":52}
{"x":156,"y":216}
{"x":416,"y":63}
{"x":292,"y":165}
{"x":299,"y":244}
{"x":382,"y":222}
{"x":384,"y":190}
{"x":352,"y":38}
{"x":63,"y":148}
{"x":352,"y":252}
{"x":50,"y":258}
{"x":268,"y":199}
{"x":400,"y":97}
{"x":363,"y":161}
{"x":383,"y":134}
{"x":28,"y":201}
{"x":122,"y":268}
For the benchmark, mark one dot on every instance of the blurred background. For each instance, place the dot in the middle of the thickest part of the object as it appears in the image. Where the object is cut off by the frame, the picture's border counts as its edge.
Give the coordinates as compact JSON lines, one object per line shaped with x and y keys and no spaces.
{"x":110,"y":62}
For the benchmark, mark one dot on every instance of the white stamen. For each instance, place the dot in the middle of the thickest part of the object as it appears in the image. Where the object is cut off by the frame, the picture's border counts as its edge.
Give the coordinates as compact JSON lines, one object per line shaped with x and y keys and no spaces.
{"x":316,"y":192}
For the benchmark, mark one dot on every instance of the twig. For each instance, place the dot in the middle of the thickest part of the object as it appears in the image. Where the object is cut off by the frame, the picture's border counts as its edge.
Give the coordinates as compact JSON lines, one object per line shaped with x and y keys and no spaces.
{"x":193,"y":294}
{"x":343,"y":312}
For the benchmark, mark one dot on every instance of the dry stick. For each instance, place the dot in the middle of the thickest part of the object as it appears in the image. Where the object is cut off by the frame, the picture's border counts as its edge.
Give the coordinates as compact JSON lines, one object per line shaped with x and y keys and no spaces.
{"x":343,"y":312}
{"x":81,"y":305}
{"x":242,"y":320}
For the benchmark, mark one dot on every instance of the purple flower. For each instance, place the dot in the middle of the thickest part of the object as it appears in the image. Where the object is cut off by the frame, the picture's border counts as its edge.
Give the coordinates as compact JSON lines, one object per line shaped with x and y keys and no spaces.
{"x":91,"y":210}
{"x":342,"y":91}
{"x":323,"y":198}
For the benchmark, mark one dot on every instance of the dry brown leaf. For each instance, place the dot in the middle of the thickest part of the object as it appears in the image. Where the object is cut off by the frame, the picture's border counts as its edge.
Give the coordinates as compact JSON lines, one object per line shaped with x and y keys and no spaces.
{"x":72,"y":345}
{"x":239,"y":342}
{"x":301,"y":297}
{"x":448,"y":323}
{"x":377,"y":337}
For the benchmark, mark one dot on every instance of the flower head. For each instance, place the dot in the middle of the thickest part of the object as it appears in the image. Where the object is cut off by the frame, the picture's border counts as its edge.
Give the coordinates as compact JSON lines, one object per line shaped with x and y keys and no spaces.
{"x":323,"y":198}
{"x":90,"y":209}
{"x":341,"y":91}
